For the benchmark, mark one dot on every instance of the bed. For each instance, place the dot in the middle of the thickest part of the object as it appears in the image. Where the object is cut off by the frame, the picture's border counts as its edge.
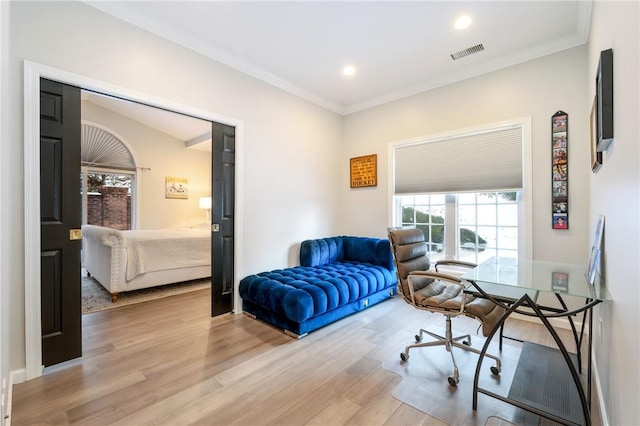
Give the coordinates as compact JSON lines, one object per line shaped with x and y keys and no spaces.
{"x":130,"y":260}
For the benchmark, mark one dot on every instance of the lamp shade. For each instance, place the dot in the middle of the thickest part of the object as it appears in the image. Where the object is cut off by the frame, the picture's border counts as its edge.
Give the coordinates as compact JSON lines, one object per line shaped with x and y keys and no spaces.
{"x":205,"y":203}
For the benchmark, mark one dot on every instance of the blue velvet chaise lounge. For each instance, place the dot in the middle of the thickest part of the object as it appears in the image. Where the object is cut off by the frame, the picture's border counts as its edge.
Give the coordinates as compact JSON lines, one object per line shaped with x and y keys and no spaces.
{"x":337,"y":276}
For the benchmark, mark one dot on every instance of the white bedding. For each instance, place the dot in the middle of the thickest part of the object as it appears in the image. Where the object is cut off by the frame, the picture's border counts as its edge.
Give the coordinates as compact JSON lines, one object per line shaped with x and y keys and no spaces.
{"x":158,"y":250}
{"x":131,"y":260}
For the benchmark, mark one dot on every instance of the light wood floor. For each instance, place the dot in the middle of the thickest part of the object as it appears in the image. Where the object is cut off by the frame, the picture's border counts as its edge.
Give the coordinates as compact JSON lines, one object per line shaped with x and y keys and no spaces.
{"x":166,"y":362}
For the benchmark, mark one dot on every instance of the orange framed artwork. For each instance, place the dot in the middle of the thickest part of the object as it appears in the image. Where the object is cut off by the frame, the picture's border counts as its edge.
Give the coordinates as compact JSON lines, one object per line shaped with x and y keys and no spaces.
{"x":364,"y":171}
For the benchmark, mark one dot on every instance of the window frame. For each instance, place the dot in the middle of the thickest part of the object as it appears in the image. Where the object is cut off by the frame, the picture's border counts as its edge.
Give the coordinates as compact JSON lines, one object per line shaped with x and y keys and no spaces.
{"x":524,"y":200}
{"x":85,"y":170}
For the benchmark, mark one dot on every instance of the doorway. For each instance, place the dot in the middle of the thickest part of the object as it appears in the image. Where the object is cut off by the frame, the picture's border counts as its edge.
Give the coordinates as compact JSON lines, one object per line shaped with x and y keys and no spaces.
{"x":33,"y":72}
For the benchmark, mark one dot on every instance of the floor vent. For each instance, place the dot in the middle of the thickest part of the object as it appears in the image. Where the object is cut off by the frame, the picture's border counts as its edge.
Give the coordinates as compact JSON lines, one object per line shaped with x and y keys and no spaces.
{"x":468,"y":51}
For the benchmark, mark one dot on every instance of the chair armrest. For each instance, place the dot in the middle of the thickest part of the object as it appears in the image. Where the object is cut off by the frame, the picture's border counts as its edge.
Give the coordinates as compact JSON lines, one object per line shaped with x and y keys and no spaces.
{"x":454,"y":262}
{"x":452,"y":266}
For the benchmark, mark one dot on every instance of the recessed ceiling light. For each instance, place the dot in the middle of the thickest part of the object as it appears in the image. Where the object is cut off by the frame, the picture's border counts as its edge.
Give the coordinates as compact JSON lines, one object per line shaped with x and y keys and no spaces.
{"x":348,"y":71}
{"x":463,"y":22}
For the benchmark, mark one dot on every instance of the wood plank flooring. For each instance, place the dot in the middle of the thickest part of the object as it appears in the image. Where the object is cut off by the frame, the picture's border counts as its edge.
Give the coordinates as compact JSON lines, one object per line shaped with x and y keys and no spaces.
{"x":167,"y":362}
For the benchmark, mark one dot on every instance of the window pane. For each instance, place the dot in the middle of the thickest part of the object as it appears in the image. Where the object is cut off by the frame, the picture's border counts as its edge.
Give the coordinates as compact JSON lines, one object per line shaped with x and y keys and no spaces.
{"x":406,"y":201}
{"x":467,"y":215}
{"x":468,"y":237}
{"x":114,"y":210}
{"x":508,"y":214}
{"x":507,"y":197}
{"x":486,"y":255}
{"x":437,"y":214}
{"x":487,"y":215}
{"x":422,"y":215}
{"x":407,"y":215}
{"x":437,"y":234}
{"x":421,"y":199}
{"x":425,"y":230}
{"x":513,"y":254}
{"x":437,"y":198}
{"x":487,"y":197}
{"x":436,"y":255}
{"x":487,"y":236}
{"x":468,"y":256}
{"x":508,"y":238}
{"x":466,"y":198}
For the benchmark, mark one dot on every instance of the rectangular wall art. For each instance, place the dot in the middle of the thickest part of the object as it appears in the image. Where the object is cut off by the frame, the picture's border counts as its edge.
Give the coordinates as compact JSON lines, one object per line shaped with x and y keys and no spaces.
{"x":176,"y":187}
{"x":364,"y":171}
{"x":560,"y":170}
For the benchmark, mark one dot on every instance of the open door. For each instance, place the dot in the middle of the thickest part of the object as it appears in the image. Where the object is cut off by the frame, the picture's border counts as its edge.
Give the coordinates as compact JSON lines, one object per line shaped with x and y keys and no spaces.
{"x":60,"y":220}
{"x":223,"y":141}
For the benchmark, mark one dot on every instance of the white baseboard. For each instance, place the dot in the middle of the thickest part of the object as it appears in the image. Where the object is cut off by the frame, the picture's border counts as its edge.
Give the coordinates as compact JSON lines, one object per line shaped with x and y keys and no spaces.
{"x":604,"y":417}
{"x":15,"y":377}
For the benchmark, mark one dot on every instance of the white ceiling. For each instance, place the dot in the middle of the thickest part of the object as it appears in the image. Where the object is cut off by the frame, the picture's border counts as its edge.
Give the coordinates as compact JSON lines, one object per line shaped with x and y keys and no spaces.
{"x":398,"y":48}
{"x":196,"y":133}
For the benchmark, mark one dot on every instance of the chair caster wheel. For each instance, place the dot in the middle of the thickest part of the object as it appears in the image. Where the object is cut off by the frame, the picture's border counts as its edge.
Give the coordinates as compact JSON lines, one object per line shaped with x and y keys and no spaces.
{"x":403,"y":356}
{"x":453,"y":381}
{"x":495,"y":370}
{"x":418,"y":338}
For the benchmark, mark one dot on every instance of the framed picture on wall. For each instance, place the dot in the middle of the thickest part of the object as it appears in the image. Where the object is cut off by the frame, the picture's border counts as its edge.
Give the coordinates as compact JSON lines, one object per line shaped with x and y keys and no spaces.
{"x":363,"y":171}
{"x":597,"y":235}
{"x":560,"y":221}
{"x":560,"y":170}
{"x":596,"y":251}
{"x":176,"y":187}
{"x":604,"y":96}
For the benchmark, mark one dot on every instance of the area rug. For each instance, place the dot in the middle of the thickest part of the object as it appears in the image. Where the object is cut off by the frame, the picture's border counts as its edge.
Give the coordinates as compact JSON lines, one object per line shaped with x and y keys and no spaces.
{"x":425,"y":387}
{"x":95,"y":298}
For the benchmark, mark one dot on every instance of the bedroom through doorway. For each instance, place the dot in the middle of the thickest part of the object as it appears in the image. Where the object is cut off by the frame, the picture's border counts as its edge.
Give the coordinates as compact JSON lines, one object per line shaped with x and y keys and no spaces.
{"x":226,"y":214}
{"x":120,"y":140}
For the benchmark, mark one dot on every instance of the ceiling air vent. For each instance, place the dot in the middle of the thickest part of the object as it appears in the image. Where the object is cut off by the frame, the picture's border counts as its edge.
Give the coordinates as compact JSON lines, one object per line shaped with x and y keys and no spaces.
{"x":468,"y":51}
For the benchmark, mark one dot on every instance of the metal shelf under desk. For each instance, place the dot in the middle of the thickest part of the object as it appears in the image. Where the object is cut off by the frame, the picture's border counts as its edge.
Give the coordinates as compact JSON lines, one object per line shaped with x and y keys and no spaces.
{"x":553,"y":388}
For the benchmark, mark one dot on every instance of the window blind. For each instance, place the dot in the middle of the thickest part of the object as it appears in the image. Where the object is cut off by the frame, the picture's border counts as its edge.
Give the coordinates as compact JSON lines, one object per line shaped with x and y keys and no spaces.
{"x":101,"y":148}
{"x":486,"y":161}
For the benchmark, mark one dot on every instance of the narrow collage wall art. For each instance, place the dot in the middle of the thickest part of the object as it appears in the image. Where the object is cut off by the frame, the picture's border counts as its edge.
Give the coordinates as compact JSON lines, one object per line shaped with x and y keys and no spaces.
{"x":560,"y":170}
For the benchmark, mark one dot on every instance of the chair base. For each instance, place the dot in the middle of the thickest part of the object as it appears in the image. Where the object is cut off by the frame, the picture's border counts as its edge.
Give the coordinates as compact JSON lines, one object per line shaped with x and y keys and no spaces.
{"x":449,"y":342}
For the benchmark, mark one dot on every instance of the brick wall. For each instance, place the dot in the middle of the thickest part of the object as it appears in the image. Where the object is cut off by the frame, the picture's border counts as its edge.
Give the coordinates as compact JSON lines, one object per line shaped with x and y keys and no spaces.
{"x":111,"y":208}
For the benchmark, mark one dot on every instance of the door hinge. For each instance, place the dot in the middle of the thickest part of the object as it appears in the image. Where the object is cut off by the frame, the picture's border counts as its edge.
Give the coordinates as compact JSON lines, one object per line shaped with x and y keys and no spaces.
{"x":75,"y":234}
{"x":215,"y":227}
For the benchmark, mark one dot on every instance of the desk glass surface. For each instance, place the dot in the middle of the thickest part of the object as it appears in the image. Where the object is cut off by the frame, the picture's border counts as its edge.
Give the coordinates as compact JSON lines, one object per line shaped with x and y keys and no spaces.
{"x":548,"y":277}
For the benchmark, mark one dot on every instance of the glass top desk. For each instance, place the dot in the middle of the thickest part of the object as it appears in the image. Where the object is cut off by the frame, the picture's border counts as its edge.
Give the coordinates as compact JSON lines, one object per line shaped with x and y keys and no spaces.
{"x":515,"y":284}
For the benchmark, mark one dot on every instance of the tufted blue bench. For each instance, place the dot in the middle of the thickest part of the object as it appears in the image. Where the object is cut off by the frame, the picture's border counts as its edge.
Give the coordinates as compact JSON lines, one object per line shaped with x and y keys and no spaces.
{"x":337,"y":277}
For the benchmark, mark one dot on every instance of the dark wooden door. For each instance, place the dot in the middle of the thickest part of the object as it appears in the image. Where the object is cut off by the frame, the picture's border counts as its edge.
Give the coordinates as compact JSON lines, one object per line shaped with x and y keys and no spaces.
{"x":222,"y":209}
{"x":60,"y":217}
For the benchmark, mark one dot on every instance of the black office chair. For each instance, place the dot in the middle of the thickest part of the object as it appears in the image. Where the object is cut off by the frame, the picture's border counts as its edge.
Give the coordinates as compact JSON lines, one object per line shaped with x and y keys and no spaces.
{"x":439,"y":292}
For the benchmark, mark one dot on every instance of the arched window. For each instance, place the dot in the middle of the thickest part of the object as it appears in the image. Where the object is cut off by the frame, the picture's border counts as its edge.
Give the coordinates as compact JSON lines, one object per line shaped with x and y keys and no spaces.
{"x":108,"y":179}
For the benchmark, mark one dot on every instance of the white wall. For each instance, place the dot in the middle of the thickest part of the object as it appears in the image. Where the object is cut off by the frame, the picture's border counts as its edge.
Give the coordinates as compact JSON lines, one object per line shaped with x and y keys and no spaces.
{"x":4,"y":287}
{"x":536,"y":89}
{"x":165,"y":156}
{"x":615,"y":193}
{"x":290,"y":154}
